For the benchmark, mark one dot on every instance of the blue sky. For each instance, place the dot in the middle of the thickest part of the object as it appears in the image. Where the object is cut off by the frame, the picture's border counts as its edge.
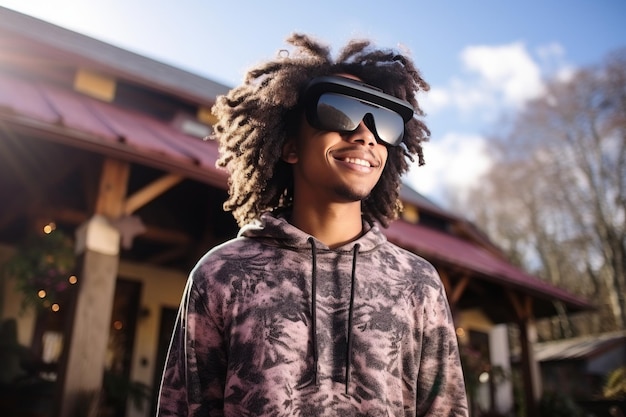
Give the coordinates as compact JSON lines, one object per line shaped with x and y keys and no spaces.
{"x":482,"y":58}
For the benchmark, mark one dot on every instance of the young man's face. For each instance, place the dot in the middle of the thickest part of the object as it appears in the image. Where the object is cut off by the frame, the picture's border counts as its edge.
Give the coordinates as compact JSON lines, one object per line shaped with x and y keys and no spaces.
{"x":338,"y":167}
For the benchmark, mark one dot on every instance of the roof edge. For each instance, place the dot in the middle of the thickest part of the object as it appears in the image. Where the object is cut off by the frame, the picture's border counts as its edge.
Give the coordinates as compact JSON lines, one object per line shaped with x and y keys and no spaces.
{"x":119,"y":61}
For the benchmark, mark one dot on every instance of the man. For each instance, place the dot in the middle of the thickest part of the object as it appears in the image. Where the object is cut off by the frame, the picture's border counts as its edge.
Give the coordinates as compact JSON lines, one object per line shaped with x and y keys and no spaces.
{"x":310,"y":311}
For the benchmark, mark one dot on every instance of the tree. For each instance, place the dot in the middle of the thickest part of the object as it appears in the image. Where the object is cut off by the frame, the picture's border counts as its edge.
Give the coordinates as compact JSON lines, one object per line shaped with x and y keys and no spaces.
{"x":555,"y":198}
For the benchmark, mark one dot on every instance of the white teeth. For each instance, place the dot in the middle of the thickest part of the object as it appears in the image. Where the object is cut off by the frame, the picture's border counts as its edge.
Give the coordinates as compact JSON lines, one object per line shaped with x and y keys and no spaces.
{"x":357,"y":161}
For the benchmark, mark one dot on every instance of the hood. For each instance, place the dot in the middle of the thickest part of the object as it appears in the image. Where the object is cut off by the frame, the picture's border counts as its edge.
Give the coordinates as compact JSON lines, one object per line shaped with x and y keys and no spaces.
{"x":275,"y":230}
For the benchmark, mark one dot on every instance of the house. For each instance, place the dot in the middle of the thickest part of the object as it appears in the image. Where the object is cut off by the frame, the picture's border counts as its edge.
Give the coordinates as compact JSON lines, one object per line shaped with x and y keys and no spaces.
{"x":565,"y":363}
{"x":107,"y":147}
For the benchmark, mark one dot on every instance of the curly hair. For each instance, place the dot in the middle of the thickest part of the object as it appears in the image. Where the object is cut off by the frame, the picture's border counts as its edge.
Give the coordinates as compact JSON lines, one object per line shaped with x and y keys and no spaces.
{"x":256,"y":118}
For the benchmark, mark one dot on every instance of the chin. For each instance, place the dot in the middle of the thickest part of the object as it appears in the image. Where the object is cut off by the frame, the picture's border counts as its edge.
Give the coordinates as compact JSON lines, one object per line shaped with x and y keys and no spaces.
{"x":351,"y":194}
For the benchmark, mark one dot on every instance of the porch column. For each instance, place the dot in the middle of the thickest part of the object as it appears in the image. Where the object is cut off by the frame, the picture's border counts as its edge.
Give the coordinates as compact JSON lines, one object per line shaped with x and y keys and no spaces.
{"x":531,"y":374}
{"x":97,"y":246}
{"x":98,"y":243}
{"x":531,"y":377}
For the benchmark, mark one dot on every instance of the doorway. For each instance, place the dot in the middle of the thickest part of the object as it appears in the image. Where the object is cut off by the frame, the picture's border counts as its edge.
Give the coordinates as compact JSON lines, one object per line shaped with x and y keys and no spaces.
{"x":168,"y":320}
{"x":116,"y":382}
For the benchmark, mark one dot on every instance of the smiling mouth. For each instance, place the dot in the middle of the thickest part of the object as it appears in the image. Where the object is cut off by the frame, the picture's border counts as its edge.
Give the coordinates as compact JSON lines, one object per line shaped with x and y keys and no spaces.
{"x":357,"y":161}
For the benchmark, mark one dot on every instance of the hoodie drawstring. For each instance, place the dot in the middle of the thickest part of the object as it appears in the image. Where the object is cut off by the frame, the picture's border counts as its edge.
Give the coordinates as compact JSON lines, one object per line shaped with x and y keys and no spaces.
{"x":314,"y":310}
{"x":350,"y":311}
{"x":350,"y":338}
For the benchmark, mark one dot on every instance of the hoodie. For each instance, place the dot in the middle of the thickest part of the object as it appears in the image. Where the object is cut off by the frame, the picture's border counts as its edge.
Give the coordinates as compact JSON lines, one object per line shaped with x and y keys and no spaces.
{"x":274,"y":323}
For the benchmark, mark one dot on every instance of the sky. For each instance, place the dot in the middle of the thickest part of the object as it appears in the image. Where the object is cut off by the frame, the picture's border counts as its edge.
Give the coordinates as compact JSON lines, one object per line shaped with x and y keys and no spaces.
{"x":482,"y":58}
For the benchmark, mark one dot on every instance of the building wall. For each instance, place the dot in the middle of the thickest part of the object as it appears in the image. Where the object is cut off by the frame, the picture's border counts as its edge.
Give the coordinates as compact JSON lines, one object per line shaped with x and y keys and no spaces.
{"x":160,"y":288}
{"x":608,"y":361}
{"x":476,"y":320}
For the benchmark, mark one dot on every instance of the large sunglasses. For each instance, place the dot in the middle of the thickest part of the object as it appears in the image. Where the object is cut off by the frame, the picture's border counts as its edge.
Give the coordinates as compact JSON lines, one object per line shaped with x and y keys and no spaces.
{"x":339,"y":104}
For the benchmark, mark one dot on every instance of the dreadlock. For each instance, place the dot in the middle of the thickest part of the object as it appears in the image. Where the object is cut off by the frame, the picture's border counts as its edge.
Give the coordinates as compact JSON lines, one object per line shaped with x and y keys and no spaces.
{"x":256,"y":118}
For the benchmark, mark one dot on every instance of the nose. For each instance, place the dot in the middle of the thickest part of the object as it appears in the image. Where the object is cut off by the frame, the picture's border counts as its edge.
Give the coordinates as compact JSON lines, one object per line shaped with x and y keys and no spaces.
{"x":363,"y":135}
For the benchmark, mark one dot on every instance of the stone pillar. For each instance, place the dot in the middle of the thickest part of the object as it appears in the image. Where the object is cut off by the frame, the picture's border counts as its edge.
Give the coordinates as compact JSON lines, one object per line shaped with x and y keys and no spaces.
{"x":500,"y":356}
{"x":80,"y":379}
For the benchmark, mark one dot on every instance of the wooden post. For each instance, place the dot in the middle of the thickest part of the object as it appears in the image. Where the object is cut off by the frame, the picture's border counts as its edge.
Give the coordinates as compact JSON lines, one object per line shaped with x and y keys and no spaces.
{"x":529,"y":395}
{"x":97,"y":245}
{"x":524,"y":315}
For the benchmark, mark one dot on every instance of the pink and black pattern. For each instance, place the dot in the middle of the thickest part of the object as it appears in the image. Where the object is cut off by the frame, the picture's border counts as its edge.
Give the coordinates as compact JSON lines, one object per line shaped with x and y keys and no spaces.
{"x":274,"y":323}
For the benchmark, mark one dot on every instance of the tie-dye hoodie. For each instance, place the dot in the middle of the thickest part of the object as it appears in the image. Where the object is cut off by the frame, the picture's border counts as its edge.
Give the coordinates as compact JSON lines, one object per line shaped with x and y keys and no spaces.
{"x":274,"y":323}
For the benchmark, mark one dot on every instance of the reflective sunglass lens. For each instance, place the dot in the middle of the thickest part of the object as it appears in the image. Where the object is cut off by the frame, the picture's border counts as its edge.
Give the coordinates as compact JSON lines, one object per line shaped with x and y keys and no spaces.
{"x":343,"y":113}
{"x":389,"y":126}
{"x":338,"y":112}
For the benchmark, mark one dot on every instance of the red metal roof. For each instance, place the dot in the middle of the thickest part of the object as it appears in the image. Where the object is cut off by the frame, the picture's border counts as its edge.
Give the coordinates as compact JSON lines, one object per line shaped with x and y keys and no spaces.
{"x":107,"y":128}
{"x":84,"y":122}
{"x":434,"y":244}
{"x":29,"y":36}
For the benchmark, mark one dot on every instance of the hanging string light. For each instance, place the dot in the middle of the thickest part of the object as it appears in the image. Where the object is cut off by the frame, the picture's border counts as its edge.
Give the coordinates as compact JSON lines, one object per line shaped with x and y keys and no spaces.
{"x":42,"y":268}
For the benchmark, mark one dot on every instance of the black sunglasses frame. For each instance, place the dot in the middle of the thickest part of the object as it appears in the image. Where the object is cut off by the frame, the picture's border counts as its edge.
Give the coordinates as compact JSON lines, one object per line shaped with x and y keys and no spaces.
{"x":352,"y":88}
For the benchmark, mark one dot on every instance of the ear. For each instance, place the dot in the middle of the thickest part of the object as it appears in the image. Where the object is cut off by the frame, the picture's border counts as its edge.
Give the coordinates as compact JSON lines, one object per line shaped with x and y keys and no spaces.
{"x":289,"y":153}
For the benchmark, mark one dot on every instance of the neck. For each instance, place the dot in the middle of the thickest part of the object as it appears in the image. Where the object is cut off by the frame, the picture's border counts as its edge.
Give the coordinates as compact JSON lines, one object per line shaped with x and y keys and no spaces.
{"x":334,"y":225}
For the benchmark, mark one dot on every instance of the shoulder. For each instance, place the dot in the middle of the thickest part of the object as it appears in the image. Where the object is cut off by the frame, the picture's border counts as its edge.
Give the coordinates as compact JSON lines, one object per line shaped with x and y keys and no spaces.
{"x":405,"y":258}
{"x":227,"y":258}
{"x":404,"y":264}
{"x":238,"y":247}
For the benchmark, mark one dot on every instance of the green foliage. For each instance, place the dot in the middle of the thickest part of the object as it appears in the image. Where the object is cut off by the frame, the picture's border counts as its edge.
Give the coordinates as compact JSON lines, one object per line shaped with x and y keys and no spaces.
{"x":615,"y":386}
{"x":42,"y":262}
{"x":118,"y":389}
{"x":555,"y":404}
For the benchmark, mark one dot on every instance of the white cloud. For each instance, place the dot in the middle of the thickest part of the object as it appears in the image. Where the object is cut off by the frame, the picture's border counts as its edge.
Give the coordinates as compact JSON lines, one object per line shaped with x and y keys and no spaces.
{"x":453,"y":163}
{"x":493,"y":79}
{"x":433,"y":100}
{"x":507,"y":70}
{"x":553,"y":62}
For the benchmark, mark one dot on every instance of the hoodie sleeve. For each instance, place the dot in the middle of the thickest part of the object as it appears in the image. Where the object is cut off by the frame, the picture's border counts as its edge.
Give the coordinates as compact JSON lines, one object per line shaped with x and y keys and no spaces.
{"x":441,"y":387}
{"x":193,"y":379}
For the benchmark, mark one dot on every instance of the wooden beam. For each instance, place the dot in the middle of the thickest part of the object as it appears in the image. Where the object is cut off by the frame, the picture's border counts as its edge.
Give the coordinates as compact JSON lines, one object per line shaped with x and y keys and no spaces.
{"x":528,"y":307}
{"x":113,"y":186}
{"x":459,"y":289}
{"x":169,"y":236}
{"x":445,"y":279}
{"x":517,"y":305}
{"x":150,"y":192}
{"x":90,"y":175}
{"x":523,"y":307}
{"x":153,"y":233}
